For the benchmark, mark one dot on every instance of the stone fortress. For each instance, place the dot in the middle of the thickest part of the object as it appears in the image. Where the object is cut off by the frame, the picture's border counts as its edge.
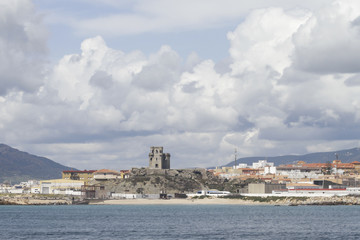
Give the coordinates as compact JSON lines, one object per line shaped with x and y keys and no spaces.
{"x":158,"y":159}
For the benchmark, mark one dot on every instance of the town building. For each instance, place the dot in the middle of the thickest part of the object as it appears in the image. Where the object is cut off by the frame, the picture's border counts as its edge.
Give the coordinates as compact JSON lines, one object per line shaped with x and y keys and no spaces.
{"x":95,"y":191}
{"x":262,"y":164}
{"x":304,"y":185}
{"x":356,"y":165}
{"x":61,"y":186}
{"x":125,"y":173}
{"x":299,"y":171}
{"x":210,"y":193}
{"x":106,"y":174}
{"x":264,"y":187}
{"x":241,"y":165}
{"x":158,"y":159}
{"x":269,"y":170}
{"x":85,"y":175}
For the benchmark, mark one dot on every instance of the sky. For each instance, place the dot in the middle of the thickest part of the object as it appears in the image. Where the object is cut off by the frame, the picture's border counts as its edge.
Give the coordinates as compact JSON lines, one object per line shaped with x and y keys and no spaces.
{"x":94,"y":84}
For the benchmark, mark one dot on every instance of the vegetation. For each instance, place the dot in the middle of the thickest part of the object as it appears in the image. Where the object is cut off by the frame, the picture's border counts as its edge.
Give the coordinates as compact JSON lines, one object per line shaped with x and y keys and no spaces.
{"x":18,"y":166}
{"x":201,"y":197}
{"x":35,"y":196}
{"x":263,"y":199}
{"x":327,"y":169}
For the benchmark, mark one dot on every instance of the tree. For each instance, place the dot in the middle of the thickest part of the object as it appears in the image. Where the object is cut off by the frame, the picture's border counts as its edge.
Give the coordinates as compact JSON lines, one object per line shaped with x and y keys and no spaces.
{"x":327,"y":169}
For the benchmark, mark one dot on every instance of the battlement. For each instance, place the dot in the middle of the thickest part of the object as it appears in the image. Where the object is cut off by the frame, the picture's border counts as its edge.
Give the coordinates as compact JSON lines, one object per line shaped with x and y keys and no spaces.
{"x":158,"y":159}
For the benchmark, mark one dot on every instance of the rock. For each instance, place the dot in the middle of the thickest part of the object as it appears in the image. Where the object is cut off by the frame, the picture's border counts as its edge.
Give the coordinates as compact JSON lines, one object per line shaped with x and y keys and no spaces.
{"x":154,"y":181}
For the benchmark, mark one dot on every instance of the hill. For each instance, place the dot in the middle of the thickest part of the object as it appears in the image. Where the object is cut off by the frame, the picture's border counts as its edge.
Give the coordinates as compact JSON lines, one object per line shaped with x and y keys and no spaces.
{"x":171,"y":181}
{"x":17,"y":166}
{"x":346,"y":156}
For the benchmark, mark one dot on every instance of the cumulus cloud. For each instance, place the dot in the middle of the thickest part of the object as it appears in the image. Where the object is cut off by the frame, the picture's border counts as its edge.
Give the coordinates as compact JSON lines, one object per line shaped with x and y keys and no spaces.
{"x":353,"y":81}
{"x":327,"y":42}
{"x":280,"y":91}
{"x":264,"y":39}
{"x":101,"y":79}
{"x":22,"y":46}
{"x":162,"y":71}
{"x":289,"y":101}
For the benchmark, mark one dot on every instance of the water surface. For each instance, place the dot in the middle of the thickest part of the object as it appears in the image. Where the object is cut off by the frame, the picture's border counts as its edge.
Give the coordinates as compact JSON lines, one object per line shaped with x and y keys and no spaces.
{"x":179,"y":222}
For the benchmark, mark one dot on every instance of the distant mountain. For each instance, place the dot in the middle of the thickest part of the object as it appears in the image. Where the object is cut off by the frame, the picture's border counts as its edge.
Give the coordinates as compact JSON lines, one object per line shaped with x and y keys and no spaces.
{"x":346,"y":156}
{"x":17,"y":166}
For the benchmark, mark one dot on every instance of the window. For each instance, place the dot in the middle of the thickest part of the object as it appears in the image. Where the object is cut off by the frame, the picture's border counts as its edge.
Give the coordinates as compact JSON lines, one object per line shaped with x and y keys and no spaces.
{"x":156,"y":165}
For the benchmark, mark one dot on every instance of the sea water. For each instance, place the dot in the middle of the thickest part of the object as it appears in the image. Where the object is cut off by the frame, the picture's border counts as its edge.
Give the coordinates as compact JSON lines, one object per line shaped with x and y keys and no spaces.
{"x":179,"y":222}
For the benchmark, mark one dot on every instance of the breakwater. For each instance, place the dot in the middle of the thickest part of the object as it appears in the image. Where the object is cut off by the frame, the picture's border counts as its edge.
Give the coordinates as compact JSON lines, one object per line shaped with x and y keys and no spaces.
{"x":294,"y":201}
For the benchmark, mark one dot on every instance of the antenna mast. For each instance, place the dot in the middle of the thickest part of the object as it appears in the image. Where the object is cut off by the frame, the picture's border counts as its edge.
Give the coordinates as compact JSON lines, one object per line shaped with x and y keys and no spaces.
{"x":235,"y":157}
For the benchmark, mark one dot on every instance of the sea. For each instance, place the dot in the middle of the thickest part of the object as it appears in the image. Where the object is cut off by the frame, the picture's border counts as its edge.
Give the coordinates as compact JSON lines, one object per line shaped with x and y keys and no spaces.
{"x":179,"y":222}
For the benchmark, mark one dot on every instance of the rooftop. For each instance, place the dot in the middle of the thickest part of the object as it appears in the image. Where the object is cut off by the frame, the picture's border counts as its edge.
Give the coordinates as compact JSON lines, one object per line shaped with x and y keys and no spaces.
{"x":102,"y":171}
{"x":79,"y":171}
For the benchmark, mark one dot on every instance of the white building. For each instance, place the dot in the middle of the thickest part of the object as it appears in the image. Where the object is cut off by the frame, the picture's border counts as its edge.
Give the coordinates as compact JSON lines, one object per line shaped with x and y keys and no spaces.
{"x":35,"y":189}
{"x":262,"y":164}
{"x":353,"y":190}
{"x":4,"y":188}
{"x":61,"y":186}
{"x":269,"y":170}
{"x":299,"y":172}
{"x":16,"y":190}
{"x":308,"y":192}
{"x":241,"y":165}
{"x":337,"y":171}
{"x":210,"y":193}
{"x":311,"y":192}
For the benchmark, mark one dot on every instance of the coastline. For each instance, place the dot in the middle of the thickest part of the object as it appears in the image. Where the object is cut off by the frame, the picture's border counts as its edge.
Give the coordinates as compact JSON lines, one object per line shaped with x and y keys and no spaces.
{"x":207,"y":201}
{"x":291,"y":201}
{"x":275,"y":201}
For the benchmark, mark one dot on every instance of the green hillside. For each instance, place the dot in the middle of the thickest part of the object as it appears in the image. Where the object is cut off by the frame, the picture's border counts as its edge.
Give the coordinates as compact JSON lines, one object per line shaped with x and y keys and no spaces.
{"x":17,"y":166}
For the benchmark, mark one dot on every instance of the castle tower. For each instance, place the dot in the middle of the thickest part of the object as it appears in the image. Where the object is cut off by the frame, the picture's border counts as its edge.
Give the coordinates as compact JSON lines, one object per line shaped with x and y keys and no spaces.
{"x":158,"y":159}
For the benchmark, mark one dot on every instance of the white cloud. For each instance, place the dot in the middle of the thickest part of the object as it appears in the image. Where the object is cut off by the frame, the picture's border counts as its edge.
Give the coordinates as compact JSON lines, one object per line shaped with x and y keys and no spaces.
{"x":264,"y":39}
{"x":103,"y":107}
{"x":162,"y":71}
{"x":22,"y":46}
{"x":327,"y":43}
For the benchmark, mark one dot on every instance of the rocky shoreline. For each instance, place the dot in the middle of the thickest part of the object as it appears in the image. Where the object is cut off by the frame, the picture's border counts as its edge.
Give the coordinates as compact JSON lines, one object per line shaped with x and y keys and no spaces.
{"x":276,"y":201}
{"x":3,"y":202}
{"x":319,"y":201}
{"x":34,"y":199}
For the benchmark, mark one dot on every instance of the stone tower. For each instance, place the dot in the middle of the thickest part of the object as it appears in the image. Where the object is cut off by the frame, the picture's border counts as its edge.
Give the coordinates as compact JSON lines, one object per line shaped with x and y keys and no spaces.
{"x":158,"y":159}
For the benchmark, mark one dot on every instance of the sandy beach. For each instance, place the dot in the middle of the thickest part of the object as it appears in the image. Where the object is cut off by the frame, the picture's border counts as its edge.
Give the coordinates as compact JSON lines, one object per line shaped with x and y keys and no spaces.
{"x":207,"y":201}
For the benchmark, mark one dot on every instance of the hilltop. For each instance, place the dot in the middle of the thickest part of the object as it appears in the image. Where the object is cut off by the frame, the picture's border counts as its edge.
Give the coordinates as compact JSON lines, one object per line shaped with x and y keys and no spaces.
{"x":171,"y":181}
{"x":346,"y":156}
{"x":17,"y":166}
